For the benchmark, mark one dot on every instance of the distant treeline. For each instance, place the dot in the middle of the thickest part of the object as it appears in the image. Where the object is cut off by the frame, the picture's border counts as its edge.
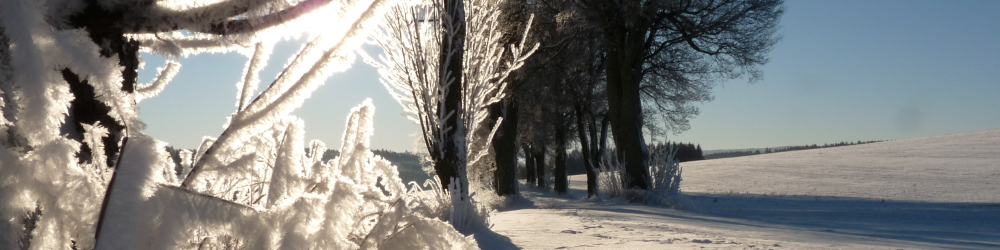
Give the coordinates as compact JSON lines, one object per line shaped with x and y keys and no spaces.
{"x":685,"y":151}
{"x":782,"y":149}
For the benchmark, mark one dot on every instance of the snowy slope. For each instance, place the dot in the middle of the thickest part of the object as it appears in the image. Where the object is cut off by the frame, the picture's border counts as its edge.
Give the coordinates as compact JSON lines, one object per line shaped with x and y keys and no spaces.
{"x":950,"y":168}
{"x":923,"y":193}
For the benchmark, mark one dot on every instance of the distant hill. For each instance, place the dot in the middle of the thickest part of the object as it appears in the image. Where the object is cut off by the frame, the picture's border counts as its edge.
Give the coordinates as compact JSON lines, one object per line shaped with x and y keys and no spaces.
{"x":715,"y":151}
{"x":948,"y":168}
{"x":408,"y":164}
{"x":727,"y":153}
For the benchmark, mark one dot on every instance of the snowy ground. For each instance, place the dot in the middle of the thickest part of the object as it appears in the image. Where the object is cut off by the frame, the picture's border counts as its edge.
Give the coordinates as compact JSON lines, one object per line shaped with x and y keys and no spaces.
{"x":923,"y":193}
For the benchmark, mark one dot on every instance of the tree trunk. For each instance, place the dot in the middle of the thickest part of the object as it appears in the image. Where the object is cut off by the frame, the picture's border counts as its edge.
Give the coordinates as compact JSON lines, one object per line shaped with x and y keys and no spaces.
{"x":505,"y":148}
{"x":624,"y":73}
{"x":559,"y":171}
{"x":585,"y":150}
{"x":623,"y":100}
{"x":603,"y":145}
{"x":539,"y":155}
{"x":505,"y":140}
{"x":529,"y":165}
{"x":450,"y":159}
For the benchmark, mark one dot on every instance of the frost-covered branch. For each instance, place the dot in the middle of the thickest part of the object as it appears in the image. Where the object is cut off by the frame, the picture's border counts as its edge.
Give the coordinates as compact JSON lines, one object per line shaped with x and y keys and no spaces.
{"x":251,"y":78}
{"x":163,"y":76}
{"x":291,"y":87}
{"x":422,"y":71}
{"x":220,"y":18}
{"x":409,"y":66}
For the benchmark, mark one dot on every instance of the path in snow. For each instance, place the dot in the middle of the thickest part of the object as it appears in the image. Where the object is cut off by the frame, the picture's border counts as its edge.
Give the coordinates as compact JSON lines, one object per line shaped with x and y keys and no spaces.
{"x":932,"y":192}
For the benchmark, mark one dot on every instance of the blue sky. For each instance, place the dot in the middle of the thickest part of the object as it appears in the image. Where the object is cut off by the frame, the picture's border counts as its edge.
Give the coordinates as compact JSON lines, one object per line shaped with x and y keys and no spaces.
{"x":844,"y":71}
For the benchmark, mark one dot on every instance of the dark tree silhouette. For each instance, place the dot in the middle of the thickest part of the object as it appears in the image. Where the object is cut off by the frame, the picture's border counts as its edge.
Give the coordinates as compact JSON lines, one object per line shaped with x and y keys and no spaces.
{"x":505,"y":141}
{"x":675,"y":48}
{"x":529,"y":165}
{"x":450,"y":157}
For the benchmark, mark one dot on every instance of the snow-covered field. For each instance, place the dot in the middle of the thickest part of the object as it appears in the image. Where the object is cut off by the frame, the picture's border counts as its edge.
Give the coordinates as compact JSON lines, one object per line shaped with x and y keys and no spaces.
{"x":922,"y":193}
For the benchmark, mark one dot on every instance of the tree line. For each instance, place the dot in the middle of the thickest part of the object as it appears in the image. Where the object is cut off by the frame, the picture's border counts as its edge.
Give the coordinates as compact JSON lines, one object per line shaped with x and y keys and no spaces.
{"x":684,"y":151}
{"x":579,"y":71}
{"x":610,"y":71}
{"x":575,"y":163}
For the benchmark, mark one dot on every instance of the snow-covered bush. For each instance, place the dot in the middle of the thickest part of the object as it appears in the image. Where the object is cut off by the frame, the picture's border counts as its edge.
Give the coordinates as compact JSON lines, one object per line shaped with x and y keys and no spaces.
{"x":611,"y":179}
{"x":252,"y":187}
{"x":664,"y":170}
{"x":353,"y":201}
{"x":665,"y":173}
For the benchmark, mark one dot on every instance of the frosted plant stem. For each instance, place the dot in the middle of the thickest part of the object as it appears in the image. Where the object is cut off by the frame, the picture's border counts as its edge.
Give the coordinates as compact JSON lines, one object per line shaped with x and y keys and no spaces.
{"x":163,"y":77}
{"x":224,"y":137}
{"x":111,"y":183}
{"x":269,"y":108}
{"x":256,"y":63}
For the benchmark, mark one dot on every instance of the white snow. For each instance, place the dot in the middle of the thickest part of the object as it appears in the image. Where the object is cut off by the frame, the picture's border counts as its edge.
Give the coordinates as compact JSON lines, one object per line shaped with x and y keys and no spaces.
{"x":950,"y":168}
{"x":135,"y":180}
{"x":922,"y":193}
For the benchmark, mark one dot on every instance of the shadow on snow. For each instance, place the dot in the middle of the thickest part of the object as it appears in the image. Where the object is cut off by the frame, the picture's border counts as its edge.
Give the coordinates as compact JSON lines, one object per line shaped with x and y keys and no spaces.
{"x":957,"y":225}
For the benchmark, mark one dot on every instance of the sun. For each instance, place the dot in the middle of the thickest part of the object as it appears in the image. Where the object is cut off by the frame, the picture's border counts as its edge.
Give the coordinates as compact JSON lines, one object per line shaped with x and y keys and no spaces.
{"x":332,"y":20}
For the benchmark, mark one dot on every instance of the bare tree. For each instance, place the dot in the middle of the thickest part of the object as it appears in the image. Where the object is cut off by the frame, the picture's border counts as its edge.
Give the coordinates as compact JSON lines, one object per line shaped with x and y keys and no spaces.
{"x":589,"y":103}
{"x":669,"y":53}
{"x":529,"y":164}
{"x":514,"y":18}
{"x":443,"y":63}
{"x":449,"y":158}
{"x":582,"y":64}
{"x":562,"y":78}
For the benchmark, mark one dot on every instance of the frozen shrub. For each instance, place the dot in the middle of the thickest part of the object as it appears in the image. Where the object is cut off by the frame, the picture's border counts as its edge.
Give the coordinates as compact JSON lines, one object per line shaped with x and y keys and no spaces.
{"x":354,"y":201}
{"x":611,"y":180}
{"x":664,"y":170}
{"x":665,"y":175}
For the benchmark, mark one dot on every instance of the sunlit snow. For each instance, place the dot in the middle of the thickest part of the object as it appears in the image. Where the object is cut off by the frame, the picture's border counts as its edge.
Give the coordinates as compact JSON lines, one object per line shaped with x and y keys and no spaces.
{"x":923,"y":193}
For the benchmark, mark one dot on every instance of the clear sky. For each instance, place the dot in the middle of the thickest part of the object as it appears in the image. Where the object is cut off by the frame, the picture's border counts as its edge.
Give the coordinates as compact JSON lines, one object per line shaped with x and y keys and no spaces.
{"x":844,"y":71}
